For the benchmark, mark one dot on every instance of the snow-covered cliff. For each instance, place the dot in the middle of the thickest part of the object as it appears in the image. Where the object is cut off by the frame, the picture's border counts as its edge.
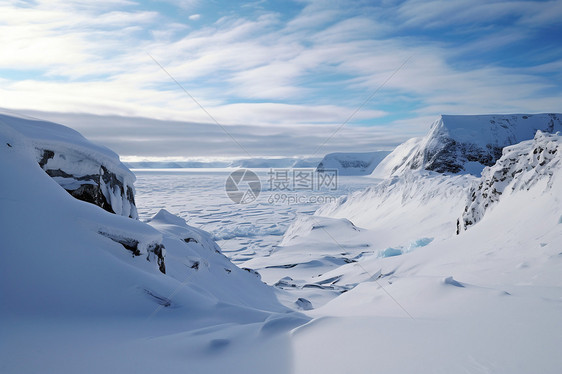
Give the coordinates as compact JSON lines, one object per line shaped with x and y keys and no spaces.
{"x":521,"y":166}
{"x":87,"y":171}
{"x":466,"y":144}
{"x":352,"y":163}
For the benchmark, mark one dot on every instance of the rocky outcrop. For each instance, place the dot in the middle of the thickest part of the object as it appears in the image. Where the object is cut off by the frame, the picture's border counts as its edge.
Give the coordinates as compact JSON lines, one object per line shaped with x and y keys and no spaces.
{"x":89,"y":172}
{"x":466,"y":144}
{"x":97,"y":184}
{"x":520,"y":167}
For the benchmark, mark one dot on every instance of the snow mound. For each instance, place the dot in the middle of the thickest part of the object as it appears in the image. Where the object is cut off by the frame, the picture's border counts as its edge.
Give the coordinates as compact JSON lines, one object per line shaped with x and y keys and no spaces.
{"x":352,"y":163}
{"x":520,"y":167}
{"x":87,"y":171}
{"x":68,"y":259}
{"x":465,"y":144}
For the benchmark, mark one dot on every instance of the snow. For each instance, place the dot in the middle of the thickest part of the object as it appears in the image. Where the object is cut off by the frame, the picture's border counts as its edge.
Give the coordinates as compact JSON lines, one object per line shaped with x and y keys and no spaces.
{"x":72,"y":292}
{"x":520,"y":167}
{"x":465,"y":144}
{"x":352,"y":163}
{"x":378,"y":280}
{"x":73,"y":161}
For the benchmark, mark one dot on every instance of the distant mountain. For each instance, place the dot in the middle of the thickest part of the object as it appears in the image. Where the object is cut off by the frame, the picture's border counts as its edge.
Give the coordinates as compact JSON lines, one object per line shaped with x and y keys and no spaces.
{"x":466,"y":144}
{"x":352,"y":163}
{"x":251,"y":163}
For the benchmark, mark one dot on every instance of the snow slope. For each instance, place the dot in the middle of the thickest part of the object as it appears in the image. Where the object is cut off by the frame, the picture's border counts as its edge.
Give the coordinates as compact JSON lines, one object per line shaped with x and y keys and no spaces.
{"x":520,"y":167}
{"x":87,"y":171}
{"x":465,"y":144}
{"x":84,"y":290}
{"x":487,"y":300}
{"x":380,"y":279}
{"x":352,"y":163}
{"x":392,"y":288}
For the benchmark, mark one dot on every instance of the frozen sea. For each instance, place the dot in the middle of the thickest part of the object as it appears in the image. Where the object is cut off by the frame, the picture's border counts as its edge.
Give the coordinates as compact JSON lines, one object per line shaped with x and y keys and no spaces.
{"x":243,"y":231}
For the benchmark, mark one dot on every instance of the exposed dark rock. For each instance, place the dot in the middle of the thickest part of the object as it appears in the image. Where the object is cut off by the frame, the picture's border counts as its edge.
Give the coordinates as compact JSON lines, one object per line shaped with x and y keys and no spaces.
{"x":47,"y":155}
{"x":253,"y":272}
{"x":520,"y":167}
{"x":128,"y":243}
{"x":303,"y":304}
{"x":158,"y":250}
{"x":153,"y":250}
{"x":94,"y":188}
{"x":467,"y":144}
{"x":91,"y":194}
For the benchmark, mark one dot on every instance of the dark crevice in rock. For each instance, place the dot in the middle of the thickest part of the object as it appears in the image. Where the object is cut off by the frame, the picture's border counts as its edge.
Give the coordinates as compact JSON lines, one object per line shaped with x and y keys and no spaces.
{"x":92,"y":194}
{"x":128,"y":243}
{"x":45,"y":157}
{"x":158,"y":250}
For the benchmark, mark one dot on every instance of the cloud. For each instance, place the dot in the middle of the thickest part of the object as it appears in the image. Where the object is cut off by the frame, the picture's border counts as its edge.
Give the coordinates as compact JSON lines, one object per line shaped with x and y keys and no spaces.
{"x":150,"y":138}
{"x":277,"y":75}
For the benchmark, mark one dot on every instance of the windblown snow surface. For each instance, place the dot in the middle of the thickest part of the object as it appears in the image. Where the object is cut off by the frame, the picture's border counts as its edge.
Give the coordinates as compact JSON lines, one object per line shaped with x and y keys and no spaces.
{"x":378,"y":281}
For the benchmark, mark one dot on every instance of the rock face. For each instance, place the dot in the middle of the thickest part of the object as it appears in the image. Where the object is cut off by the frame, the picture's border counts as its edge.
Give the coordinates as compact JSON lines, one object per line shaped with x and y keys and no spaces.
{"x":352,"y":163}
{"x":466,"y":144}
{"x":520,"y":167}
{"x":87,"y":171}
{"x":89,"y":181}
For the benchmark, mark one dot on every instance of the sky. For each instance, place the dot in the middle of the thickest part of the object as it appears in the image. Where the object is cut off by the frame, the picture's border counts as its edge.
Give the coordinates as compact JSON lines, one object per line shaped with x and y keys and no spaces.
{"x":194,"y":79}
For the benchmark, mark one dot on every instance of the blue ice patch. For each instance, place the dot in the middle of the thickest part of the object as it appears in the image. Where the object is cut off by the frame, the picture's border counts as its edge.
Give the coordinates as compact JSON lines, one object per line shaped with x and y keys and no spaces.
{"x":390,"y":252}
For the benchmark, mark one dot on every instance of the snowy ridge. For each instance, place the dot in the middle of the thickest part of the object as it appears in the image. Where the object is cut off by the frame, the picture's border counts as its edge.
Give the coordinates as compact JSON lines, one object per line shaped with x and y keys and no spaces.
{"x":466,"y":144}
{"x":520,"y":167}
{"x":87,"y":171}
{"x":402,"y":202}
{"x":352,"y":163}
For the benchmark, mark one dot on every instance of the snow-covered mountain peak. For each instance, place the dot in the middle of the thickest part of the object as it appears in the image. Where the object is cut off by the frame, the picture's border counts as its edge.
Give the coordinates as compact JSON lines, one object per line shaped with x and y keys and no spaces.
{"x":521,"y":167}
{"x":465,"y":144}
